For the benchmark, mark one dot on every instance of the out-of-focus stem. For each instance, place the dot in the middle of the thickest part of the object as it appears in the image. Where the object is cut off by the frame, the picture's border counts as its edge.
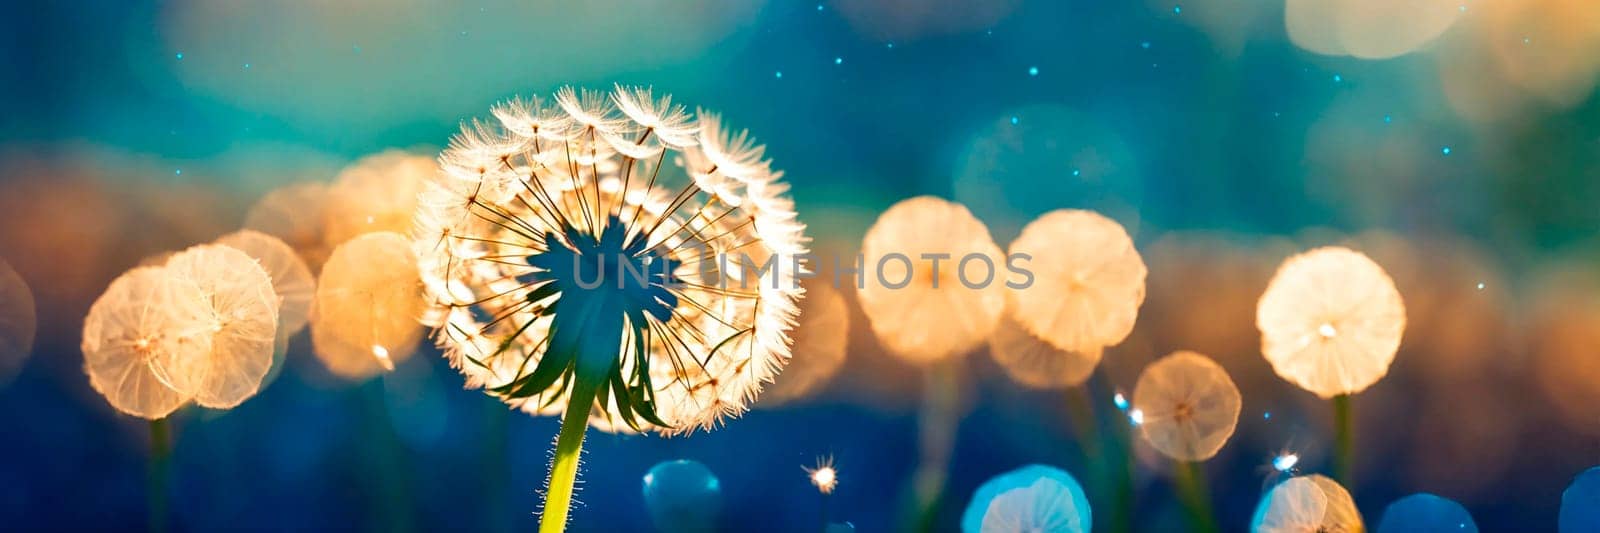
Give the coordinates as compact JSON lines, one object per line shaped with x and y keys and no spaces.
{"x":1344,"y":441}
{"x":156,"y":479}
{"x":1190,"y":479}
{"x":937,"y":425}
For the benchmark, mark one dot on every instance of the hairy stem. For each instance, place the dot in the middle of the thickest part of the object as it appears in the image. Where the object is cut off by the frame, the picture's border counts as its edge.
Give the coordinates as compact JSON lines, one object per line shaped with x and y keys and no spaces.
{"x":1344,"y":440}
{"x":569,"y":446}
{"x":156,"y":479}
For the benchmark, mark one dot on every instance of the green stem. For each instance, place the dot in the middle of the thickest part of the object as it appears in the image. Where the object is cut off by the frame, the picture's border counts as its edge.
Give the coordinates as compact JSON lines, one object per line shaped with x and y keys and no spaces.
{"x":156,"y":489}
{"x":1344,"y":440}
{"x":1191,"y":481}
{"x":825,"y":512}
{"x":569,"y":446}
{"x":937,"y":428}
{"x":1080,"y":414}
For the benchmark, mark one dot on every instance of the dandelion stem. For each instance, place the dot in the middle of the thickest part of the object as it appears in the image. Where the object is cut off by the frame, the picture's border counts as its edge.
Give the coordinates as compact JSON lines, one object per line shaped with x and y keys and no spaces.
{"x":937,"y":425}
{"x":824,"y":527}
{"x":1344,"y":440}
{"x":569,"y":446}
{"x":1080,"y":414}
{"x":156,"y":480}
{"x":1190,"y":478}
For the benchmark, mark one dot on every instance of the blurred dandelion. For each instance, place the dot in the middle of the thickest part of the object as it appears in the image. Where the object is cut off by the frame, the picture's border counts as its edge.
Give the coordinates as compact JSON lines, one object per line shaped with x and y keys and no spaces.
{"x":1031,"y":498}
{"x":610,"y":250}
{"x":243,"y":322}
{"x":368,"y":300}
{"x":1580,"y":503}
{"x":1368,"y":29}
{"x":147,"y":316}
{"x":1426,"y":513}
{"x":1307,"y":503}
{"x":375,"y":193}
{"x":1088,"y":281}
{"x":294,"y":213}
{"x":1189,"y":407}
{"x":18,"y":322}
{"x":1031,"y":361}
{"x":932,"y":316}
{"x":682,"y":496}
{"x":291,"y":278}
{"x":1331,"y":321}
{"x":819,"y":337}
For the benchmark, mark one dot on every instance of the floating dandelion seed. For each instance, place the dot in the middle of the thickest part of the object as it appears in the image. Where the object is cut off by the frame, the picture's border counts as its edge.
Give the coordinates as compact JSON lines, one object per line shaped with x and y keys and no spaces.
{"x":1330,"y":321}
{"x":364,"y":316}
{"x":682,"y":496}
{"x":1580,"y":504}
{"x":1307,"y":503}
{"x":607,"y":250}
{"x":1031,"y":361}
{"x":291,"y":278}
{"x":18,"y":322}
{"x":823,"y":476}
{"x":376,"y":193}
{"x":147,"y":315}
{"x":1089,"y":281}
{"x":1426,"y":513}
{"x":920,"y":313}
{"x":1190,"y":406}
{"x":1031,"y":498}
{"x":819,"y":346}
{"x":294,"y":213}
{"x":243,"y":318}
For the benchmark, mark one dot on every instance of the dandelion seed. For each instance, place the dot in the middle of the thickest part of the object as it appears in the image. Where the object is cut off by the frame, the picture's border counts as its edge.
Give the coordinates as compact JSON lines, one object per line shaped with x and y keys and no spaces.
{"x":823,"y":476}
{"x":1306,"y":503}
{"x":1189,"y":406}
{"x":1031,"y":498}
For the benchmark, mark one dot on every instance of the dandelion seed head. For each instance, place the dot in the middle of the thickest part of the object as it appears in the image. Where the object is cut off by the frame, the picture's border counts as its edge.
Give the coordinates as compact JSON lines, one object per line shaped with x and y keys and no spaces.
{"x":18,"y":322}
{"x":1189,"y":406}
{"x":1306,"y":503}
{"x":292,"y":281}
{"x":243,"y":321}
{"x":147,"y":317}
{"x":1031,"y":498}
{"x":1425,"y":512}
{"x":823,"y":476}
{"x":1089,"y":281}
{"x":364,"y":314}
{"x":651,"y":196}
{"x":1330,"y":321}
{"x":1033,"y":362}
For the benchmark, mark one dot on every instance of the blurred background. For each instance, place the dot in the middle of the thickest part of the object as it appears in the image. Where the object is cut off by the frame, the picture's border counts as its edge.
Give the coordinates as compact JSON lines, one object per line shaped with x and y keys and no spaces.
{"x":1457,"y":143}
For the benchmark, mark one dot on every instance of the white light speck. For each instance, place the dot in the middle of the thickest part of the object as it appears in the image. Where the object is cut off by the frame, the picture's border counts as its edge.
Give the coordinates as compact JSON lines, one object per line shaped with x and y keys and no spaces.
{"x":1014,"y":120}
{"x":246,"y":65}
{"x":778,"y":74}
{"x":838,"y":61}
{"x":180,"y":56}
{"x":819,"y":7}
{"x":1285,"y":462}
{"x":1480,"y":285}
{"x":1177,"y":9}
{"x":1136,"y":416}
{"x":1120,"y":400}
{"x":1033,"y":71}
{"x":1327,"y":331}
{"x":178,"y":172}
{"x":1445,"y":150}
{"x":1266,"y":415}
{"x":1337,"y":78}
